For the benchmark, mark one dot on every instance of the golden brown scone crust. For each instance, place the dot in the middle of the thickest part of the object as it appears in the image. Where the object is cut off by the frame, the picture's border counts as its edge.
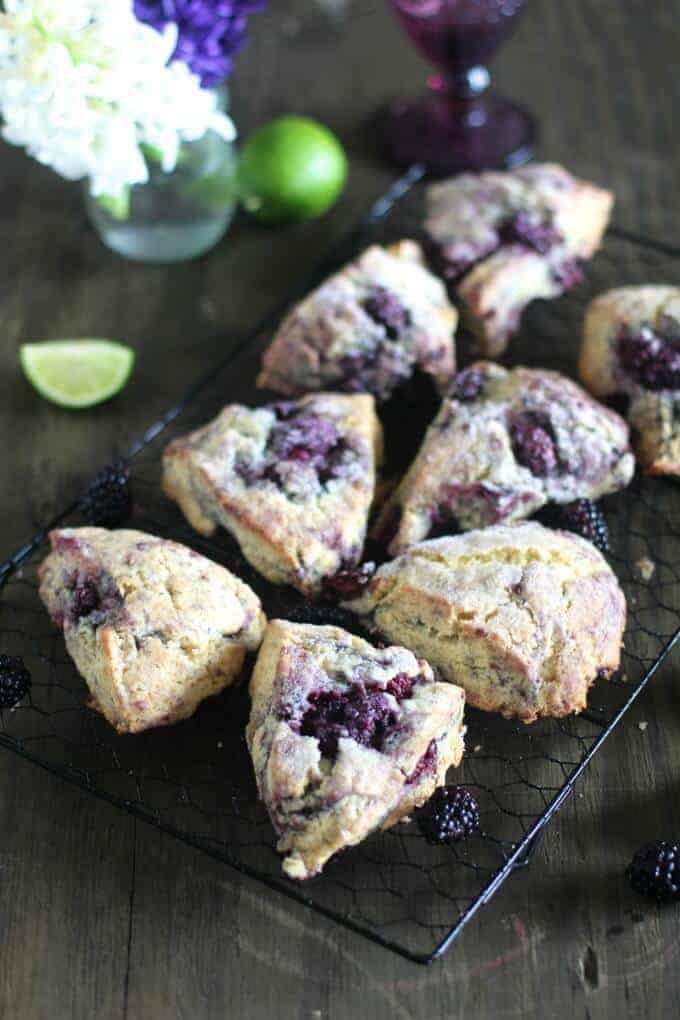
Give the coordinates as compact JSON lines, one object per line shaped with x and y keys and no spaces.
{"x":522,"y":617}
{"x":320,"y":802}
{"x":292,"y":525}
{"x":153,"y":627}
{"x":330,"y":341}
{"x":654,"y":415}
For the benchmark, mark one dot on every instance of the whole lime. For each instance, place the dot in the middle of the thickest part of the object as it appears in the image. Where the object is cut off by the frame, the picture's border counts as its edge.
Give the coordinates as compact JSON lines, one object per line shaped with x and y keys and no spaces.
{"x":291,"y":169}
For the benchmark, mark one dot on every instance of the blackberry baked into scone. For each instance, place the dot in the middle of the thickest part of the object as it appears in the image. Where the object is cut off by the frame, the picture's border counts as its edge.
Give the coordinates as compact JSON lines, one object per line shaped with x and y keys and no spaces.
{"x":631,"y":345}
{"x":293,"y":482}
{"x":366,"y":329}
{"x":345,"y":738}
{"x":153,"y":627}
{"x":505,"y":238}
{"x":524,"y":618}
{"x":505,"y":443}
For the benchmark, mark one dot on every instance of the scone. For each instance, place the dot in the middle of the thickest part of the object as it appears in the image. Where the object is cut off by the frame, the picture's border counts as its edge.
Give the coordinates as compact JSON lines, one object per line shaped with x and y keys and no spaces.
{"x":524,"y":618}
{"x":366,"y":329}
{"x":503,"y":445}
{"x":506,"y":238}
{"x":345,"y":738}
{"x":153,"y":627}
{"x":292,"y":482}
{"x":631,"y":345}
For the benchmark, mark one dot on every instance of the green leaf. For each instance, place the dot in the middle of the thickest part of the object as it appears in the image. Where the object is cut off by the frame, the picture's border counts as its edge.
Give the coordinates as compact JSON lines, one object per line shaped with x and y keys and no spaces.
{"x":151,"y":153}
{"x":117,"y":206}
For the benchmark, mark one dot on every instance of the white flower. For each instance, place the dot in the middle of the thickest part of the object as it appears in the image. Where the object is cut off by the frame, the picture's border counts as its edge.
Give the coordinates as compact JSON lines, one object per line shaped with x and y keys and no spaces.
{"x":83,"y":85}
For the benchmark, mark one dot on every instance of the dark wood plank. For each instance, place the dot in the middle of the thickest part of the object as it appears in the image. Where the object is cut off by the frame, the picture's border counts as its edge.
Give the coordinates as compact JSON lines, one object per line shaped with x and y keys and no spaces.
{"x":65,"y":912}
{"x":102,"y":916}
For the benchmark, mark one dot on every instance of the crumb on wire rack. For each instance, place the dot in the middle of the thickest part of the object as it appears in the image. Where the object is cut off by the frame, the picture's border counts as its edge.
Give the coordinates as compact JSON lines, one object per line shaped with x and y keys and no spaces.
{"x":645,"y":568}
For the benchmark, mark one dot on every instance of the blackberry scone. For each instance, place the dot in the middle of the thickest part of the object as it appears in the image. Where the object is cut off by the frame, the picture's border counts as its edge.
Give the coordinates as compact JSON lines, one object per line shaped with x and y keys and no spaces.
{"x":153,"y":627}
{"x":345,"y":738}
{"x":524,"y":618}
{"x":631,"y":345}
{"x":366,"y":329}
{"x":505,"y":238}
{"x":505,"y":443}
{"x":293,"y":483}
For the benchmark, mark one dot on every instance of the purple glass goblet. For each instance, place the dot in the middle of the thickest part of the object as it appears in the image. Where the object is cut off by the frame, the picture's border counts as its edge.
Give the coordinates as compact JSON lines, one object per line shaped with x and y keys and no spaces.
{"x":460,"y":123}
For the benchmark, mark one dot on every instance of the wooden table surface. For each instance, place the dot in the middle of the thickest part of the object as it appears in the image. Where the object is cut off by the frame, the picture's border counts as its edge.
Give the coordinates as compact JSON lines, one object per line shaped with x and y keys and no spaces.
{"x":103,"y":917}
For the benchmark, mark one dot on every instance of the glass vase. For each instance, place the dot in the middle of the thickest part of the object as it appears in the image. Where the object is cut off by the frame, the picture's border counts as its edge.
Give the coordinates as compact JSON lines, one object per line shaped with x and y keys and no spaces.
{"x":177,"y":215}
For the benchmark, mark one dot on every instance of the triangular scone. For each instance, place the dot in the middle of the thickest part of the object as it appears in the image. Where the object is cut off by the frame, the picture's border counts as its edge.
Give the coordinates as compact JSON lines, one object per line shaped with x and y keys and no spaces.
{"x":153,"y":627}
{"x":345,"y":738}
{"x":505,"y":238}
{"x":503,"y":445}
{"x":293,"y":482}
{"x":631,"y":345}
{"x":523,"y":617}
{"x":654,"y":416}
{"x":366,"y":329}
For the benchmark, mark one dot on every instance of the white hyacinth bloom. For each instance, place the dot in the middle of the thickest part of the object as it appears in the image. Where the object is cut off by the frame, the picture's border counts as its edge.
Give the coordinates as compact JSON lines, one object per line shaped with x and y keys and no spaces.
{"x":83,"y":85}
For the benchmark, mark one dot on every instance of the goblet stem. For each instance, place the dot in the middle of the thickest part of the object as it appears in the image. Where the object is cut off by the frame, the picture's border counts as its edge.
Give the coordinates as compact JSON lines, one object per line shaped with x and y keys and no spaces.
{"x":460,"y":123}
{"x":467,"y":84}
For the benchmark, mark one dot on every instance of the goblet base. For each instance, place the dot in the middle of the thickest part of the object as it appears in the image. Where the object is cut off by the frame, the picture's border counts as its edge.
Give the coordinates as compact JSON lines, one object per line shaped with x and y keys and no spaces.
{"x":449,"y":135}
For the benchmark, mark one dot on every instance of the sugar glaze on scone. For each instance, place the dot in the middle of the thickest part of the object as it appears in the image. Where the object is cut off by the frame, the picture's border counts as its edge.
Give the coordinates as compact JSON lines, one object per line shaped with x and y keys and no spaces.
{"x":366,"y":329}
{"x":524,"y":618}
{"x":505,"y":443}
{"x":152,"y":626}
{"x":293,"y":482}
{"x":345,"y":738}
{"x":631,"y":345}
{"x":504,"y":239}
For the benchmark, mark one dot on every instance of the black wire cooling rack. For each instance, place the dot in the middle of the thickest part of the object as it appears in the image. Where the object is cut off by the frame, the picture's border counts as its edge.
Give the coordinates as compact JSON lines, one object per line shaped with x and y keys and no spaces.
{"x":194,"y":780}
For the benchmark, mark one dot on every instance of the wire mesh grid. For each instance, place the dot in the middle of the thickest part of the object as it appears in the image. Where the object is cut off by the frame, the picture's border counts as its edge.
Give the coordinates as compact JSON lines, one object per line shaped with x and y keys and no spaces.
{"x":195,"y":780}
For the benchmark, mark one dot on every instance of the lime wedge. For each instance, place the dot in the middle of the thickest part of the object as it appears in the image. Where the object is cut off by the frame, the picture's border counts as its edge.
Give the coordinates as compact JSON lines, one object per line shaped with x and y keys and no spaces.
{"x":77,"y":373}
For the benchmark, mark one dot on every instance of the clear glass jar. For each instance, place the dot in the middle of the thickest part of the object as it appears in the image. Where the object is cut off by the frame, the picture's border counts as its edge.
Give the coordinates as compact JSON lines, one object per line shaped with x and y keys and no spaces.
{"x":177,"y":215}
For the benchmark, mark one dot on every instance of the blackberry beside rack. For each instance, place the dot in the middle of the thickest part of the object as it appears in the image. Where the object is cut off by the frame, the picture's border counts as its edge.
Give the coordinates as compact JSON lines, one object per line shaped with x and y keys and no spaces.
{"x":195,"y":780}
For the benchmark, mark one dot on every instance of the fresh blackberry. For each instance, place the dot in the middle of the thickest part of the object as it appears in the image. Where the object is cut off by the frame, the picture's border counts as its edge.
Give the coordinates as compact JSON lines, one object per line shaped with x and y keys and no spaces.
{"x":585,"y":518}
{"x":108,"y":501}
{"x":15,"y":681}
{"x":451,"y":814}
{"x":348,"y":583}
{"x":655,"y":871}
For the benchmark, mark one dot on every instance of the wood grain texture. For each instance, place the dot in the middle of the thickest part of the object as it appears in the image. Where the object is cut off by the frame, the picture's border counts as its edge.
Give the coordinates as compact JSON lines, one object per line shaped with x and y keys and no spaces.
{"x":101,"y":916}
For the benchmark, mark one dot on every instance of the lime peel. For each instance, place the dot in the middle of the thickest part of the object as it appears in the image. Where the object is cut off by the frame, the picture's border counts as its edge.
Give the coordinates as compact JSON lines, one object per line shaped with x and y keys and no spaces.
{"x":291,"y":169}
{"x":77,"y":373}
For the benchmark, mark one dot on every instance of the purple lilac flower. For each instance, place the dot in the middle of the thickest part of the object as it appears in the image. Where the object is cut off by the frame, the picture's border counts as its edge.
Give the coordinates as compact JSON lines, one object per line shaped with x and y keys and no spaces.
{"x":210,"y":32}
